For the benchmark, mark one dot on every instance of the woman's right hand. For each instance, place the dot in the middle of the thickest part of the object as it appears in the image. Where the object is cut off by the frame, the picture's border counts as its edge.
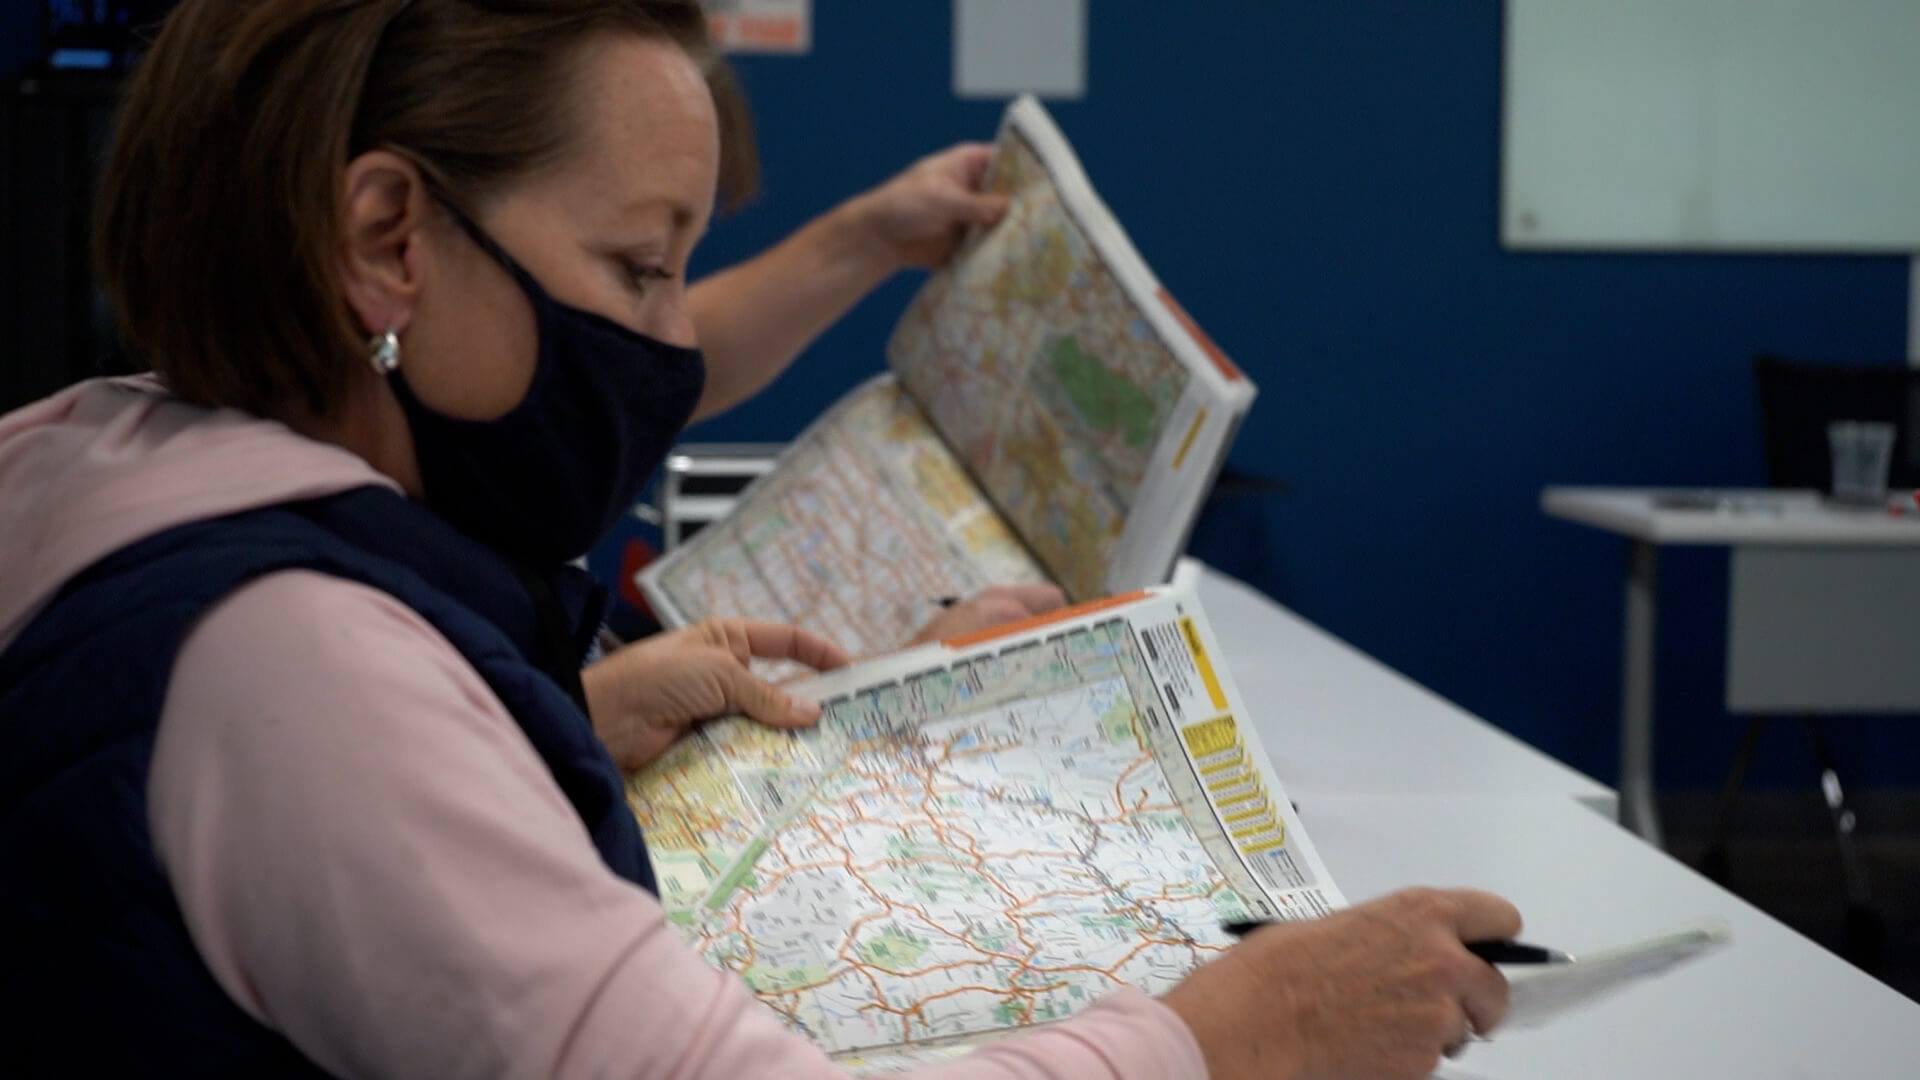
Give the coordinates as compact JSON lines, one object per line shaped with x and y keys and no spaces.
{"x":1381,"y":990}
{"x":646,"y":695}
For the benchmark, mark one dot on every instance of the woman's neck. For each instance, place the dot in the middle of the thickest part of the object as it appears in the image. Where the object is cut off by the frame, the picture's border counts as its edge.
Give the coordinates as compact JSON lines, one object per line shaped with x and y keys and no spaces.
{"x":368,"y":423}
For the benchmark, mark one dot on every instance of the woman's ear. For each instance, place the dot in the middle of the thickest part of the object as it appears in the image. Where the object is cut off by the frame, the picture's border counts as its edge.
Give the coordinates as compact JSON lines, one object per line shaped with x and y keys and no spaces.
{"x":385,"y":207}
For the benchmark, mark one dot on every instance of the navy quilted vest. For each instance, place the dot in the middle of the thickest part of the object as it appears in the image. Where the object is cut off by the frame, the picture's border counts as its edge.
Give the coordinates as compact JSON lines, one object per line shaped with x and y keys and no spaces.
{"x":98,"y":971}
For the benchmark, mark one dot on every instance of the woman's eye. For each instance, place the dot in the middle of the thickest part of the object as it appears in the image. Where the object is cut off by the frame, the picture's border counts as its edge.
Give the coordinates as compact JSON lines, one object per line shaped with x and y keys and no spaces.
{"x":643,"y":276}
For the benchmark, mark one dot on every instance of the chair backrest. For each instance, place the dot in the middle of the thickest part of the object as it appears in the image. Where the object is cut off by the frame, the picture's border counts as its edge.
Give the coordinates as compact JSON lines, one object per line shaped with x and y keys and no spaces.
{"x":1799,"y":399}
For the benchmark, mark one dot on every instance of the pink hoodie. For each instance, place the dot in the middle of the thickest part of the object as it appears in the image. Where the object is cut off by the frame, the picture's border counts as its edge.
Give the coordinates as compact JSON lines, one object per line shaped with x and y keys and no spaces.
{"x":369,"y":855}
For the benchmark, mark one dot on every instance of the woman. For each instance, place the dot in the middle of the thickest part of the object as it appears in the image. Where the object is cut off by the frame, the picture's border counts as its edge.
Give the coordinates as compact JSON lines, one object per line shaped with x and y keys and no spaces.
{"x":298,"y":773}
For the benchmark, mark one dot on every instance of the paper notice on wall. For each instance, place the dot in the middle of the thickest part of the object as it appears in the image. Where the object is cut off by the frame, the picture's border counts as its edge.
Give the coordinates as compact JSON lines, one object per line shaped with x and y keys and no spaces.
{"x":1002,"y":48}
{"x":761,"y":26}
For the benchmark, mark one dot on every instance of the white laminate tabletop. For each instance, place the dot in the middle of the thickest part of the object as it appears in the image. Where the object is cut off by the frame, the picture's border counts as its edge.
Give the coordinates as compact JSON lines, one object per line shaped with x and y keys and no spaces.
{"x":1735,"y":516}
{"x":1771,"y":1005}
{"x":1336,"y":720}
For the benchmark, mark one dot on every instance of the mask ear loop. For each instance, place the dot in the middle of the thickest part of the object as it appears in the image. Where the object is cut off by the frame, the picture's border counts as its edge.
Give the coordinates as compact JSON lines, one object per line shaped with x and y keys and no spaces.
{"x":478,"y":235}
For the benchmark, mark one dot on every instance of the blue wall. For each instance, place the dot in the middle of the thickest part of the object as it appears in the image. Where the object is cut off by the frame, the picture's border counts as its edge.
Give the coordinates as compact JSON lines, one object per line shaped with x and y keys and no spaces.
{"x":1318,"y":183}
{"x":19,"y":36}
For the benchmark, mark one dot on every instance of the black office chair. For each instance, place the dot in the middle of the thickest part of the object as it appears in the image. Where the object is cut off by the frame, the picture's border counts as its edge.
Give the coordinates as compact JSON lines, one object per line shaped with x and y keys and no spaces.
{"x":1797,"y":402}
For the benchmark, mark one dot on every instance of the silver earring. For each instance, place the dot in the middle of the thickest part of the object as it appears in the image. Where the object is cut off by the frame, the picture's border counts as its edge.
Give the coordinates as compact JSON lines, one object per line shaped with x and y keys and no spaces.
{"x":383,"y":352}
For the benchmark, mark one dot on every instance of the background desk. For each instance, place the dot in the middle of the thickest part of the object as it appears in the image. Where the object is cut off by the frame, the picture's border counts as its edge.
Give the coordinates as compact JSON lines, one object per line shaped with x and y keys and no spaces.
{"x":1398,"y":787}
{"x":1791,"y":554}
{"x":1338,"y":721}
{"x":1770,"y":1005}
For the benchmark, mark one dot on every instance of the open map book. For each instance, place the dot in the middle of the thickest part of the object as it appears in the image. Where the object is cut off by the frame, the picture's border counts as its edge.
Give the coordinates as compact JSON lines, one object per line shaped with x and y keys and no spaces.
{"x":1050,"y":415}
{"x":982,"y":834}
{"x":995,"y":831}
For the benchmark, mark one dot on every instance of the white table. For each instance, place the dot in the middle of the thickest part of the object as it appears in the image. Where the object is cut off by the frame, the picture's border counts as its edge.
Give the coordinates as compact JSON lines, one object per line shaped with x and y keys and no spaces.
{"x":1399,"y":787}
{"x":1336,"y":720}
{"x":1792,"y":554}
{"x":1771,"y":1005}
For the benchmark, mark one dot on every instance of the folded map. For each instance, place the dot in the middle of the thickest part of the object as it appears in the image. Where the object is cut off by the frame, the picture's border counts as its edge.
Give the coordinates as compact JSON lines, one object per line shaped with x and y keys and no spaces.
{"x":982,"y":834}
{"x":1051,"y":414}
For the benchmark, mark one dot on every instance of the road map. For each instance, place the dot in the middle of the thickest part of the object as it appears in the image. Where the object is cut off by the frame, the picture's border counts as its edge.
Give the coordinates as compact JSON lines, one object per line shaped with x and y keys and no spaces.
{"x":1055,"y":417}
{"x":866,"y":523}
{"x":1061,"y":374}
{"x":979,"y":838}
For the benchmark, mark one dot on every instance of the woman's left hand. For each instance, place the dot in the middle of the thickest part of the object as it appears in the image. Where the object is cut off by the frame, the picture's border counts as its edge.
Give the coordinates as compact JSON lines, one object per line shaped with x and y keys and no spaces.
{"x":647,"y":694}
{"x":992,"y":606}
{"x":920,"y":216}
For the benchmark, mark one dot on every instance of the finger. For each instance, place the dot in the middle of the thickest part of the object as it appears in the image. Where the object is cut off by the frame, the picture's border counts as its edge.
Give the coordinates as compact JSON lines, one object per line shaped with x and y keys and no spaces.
{"x":989,"y":209}
{"x":990,"y":611}
{"x":969,"y":162}
{"x":761,"y":700}
{"x":733,"y":635}
{"x":728,"y":634}
{"x":965,"y":208}
{"x":1429,"y":1033}
{"x":780,"y":641}
{"x":1482,"y":916}
{"x":982,"y":612}
{"x":1035,"y":597}
{"x":1483,"y":993}
{"x":982,"y":210}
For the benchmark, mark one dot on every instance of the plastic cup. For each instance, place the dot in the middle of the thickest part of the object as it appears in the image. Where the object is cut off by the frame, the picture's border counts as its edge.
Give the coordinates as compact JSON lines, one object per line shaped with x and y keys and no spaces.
{"x":1862,"y":451}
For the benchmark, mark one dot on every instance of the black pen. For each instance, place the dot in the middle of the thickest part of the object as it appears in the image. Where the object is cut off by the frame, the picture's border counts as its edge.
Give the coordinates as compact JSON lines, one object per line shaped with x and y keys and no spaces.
{"x":1493,"y":952}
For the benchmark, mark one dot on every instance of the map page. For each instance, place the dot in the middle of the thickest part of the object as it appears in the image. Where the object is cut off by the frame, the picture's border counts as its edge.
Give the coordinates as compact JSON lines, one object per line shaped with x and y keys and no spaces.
{"x":984,"y":834}
{"x":865,"y":523}
{"x":1086,"y":404}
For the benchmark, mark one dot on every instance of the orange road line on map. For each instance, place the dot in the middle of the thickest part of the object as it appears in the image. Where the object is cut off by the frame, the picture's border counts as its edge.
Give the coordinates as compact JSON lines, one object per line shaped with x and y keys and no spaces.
{"x":956,"y":840}
{"x":980,"y":867}
{"x":949,"y":966}
{"x":879,"y":995}
{"x":1051,"y":893}
{"x":1035,"y":853}
{"x":1121,"y":819}
{"x":1118,"y":798}
{"x":918,"y":1007}
{"x":944,"y":932}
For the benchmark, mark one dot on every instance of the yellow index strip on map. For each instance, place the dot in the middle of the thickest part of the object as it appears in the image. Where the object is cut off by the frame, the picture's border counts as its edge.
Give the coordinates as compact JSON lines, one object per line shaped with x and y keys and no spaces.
{"x":1254,"y":832}
{"x":1205,"y":665}
{"x":1211,"y":736}
{"x":1231,"y":801}
{"x":1241,"y":817}
{"x":1186,"y":444}
{"x":1278,"y":839}
{"x":1224,"y":786}
{"x":1237,"y":759}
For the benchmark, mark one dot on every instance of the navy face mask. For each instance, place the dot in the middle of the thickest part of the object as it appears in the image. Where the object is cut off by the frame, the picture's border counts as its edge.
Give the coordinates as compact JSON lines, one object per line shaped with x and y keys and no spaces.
{"x":544,"y":482}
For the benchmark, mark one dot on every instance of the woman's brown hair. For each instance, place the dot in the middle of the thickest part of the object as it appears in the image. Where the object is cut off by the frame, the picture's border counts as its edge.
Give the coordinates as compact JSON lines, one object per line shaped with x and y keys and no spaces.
{"x":216,"y":228}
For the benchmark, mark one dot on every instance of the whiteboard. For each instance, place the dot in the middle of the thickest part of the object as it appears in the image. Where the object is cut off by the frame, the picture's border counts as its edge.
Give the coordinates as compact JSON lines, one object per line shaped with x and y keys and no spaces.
{"x":1715,"y":125}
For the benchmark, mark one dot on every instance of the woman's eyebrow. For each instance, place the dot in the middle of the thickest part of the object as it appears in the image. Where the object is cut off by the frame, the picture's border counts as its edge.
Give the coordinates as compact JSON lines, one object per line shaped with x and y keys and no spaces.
{"x":680,"y":215}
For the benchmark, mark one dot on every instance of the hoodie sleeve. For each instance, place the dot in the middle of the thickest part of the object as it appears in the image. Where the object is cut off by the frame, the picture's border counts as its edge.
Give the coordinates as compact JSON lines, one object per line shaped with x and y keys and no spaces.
{"x":373,"y":861}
